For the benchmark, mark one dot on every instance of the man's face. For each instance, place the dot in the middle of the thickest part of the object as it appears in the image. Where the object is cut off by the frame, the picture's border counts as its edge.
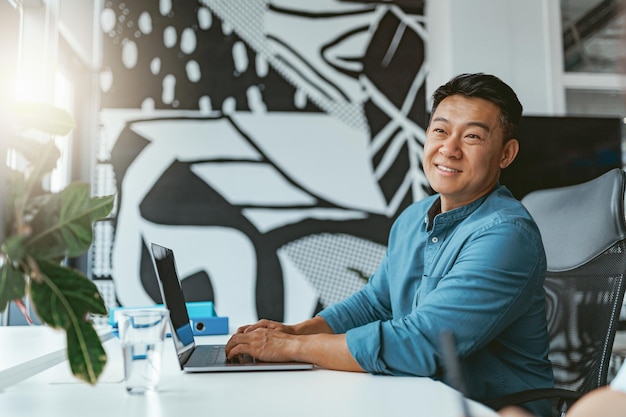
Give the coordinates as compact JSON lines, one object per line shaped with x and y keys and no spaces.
{"x":465,"y":150}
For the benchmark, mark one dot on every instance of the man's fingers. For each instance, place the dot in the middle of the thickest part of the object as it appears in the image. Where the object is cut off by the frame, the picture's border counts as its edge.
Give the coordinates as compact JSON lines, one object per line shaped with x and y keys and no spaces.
{"x":264,"y":323}
{"x":234,"y":346}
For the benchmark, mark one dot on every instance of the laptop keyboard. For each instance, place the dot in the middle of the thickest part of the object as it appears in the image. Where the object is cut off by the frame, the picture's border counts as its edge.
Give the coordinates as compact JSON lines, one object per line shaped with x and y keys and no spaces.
{"x":217,"y":354}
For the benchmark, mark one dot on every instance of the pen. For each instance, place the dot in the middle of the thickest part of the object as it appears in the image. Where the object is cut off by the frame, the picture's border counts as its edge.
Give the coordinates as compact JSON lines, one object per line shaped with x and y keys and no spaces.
{"x":452,"y":367}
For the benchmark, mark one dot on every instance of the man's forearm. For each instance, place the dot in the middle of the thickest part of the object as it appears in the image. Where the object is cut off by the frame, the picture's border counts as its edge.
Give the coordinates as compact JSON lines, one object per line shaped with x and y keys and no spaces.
{"x":313,"y":326}
{"x":328,"y":351}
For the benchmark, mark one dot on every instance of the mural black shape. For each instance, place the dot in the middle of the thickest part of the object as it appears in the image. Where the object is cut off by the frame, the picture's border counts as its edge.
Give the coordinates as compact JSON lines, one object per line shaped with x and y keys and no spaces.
{"x":273,"y":162}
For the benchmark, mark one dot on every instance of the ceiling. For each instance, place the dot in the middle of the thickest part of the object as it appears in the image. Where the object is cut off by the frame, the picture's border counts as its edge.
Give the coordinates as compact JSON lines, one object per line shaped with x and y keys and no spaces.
{"x":593,"y":35}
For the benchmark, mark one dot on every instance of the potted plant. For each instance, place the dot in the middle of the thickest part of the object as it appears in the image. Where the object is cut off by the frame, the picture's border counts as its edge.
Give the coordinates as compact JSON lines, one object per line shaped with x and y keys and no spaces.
{"x":41,"y":230}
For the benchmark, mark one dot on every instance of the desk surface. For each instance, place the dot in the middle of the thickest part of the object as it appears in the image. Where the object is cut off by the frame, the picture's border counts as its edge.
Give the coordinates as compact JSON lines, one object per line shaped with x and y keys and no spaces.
{"x":314,"y":393}
{"x":28,"y":350}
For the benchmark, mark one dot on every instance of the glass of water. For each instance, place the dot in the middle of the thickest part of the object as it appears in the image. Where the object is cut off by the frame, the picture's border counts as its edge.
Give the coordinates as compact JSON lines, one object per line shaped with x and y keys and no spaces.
{"x":142,"y":332}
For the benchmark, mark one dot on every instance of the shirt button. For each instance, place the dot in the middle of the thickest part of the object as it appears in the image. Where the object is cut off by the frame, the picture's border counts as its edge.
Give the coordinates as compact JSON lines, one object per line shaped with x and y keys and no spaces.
{"x":435,"y":239}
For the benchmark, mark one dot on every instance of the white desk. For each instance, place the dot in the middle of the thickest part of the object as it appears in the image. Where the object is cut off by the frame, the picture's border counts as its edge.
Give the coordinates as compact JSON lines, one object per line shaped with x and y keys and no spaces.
{"x":313,"y":393}
{"x":28,"y":350}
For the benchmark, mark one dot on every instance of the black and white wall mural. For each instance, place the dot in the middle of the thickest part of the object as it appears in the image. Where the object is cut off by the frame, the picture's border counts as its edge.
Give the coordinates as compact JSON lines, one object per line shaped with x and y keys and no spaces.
{"x":269,"y":143}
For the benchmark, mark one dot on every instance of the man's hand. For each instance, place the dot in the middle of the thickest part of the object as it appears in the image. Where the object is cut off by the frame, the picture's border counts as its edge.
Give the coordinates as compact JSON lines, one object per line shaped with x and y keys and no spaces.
{"x":264,"y":341}
{"x":311,"y":341}
{"x":267,"y":324}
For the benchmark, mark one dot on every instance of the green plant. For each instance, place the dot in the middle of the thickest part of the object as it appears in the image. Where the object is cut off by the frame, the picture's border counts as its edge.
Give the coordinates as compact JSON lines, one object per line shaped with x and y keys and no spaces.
{"x":41,"y":230}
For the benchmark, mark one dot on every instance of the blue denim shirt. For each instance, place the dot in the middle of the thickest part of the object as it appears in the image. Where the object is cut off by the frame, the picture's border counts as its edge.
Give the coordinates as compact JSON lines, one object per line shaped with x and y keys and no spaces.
{"x":478,"y":271}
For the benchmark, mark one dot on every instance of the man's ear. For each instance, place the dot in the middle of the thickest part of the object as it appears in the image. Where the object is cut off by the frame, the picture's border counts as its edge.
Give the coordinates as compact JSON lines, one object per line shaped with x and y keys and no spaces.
{"x":509,"y":152}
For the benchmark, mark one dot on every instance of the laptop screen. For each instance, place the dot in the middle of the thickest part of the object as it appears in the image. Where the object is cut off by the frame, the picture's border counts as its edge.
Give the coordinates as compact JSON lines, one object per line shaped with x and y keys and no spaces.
{"x":174,"y":300}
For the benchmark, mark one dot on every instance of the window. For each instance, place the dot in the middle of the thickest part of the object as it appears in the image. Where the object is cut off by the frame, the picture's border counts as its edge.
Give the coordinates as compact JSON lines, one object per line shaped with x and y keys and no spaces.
{"x":594,"y":56}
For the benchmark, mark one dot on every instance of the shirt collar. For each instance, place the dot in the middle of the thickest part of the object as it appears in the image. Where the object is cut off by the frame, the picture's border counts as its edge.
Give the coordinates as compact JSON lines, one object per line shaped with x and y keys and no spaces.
{"x":458,"y":213}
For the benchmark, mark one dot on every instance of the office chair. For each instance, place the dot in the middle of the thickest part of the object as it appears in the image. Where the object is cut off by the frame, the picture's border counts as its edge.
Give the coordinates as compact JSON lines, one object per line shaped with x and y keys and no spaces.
{"x":583,"y":228}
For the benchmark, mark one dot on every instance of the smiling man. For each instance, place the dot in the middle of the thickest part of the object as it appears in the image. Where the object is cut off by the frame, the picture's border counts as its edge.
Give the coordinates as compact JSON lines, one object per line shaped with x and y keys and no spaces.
{"x":468,"y":260}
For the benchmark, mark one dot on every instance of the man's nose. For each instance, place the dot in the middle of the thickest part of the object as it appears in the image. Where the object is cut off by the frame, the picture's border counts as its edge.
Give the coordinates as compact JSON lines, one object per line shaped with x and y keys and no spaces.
{"x":450,"y":147}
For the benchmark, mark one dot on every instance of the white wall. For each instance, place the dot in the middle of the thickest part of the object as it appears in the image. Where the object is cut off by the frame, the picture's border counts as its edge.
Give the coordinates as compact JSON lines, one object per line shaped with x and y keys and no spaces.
{"x":518,"y":41}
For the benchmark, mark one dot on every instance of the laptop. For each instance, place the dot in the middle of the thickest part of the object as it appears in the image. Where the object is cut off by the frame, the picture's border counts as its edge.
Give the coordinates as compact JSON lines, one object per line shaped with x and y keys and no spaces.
{"x":191,"y":356}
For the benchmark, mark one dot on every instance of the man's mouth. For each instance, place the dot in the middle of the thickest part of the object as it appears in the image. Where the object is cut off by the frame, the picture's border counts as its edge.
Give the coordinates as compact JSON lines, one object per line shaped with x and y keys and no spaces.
{"x":446,"y":169}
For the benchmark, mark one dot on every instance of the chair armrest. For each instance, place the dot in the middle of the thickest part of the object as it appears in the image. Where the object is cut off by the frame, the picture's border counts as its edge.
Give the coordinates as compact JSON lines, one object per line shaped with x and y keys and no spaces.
{"x":563,"y":396}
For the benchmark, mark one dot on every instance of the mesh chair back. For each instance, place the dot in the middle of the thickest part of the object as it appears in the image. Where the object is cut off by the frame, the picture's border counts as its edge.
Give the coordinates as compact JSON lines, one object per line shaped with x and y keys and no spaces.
{"x":583,"y":229}
{"x":582,"y":307}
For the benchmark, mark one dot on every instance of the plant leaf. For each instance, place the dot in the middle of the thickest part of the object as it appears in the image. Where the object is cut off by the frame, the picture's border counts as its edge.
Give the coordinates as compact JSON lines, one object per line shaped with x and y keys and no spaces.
{"x":13,"y":248}
{"x":12,"y":285}
{"x":64,"y":299}
{"x":85,"y":352}
{"x":35,"y":151}
{"x":43,"y":159}
{"x":43,"y":117}
{"x":64,"y":295}
{"x":24,"y":187}
{"x":63,"y":227}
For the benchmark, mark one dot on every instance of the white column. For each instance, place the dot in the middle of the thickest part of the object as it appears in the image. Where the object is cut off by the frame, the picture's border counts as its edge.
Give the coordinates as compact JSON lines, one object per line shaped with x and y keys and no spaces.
{"x":518,"y":41}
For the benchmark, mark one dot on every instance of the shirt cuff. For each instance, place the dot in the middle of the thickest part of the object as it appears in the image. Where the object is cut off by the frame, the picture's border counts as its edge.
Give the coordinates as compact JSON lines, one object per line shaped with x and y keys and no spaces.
{"x":364,"y":345}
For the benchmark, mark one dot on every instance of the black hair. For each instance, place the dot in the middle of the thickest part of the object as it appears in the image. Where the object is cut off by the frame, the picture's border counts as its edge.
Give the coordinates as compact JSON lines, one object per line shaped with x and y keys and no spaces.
{"x":487,"y":87}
